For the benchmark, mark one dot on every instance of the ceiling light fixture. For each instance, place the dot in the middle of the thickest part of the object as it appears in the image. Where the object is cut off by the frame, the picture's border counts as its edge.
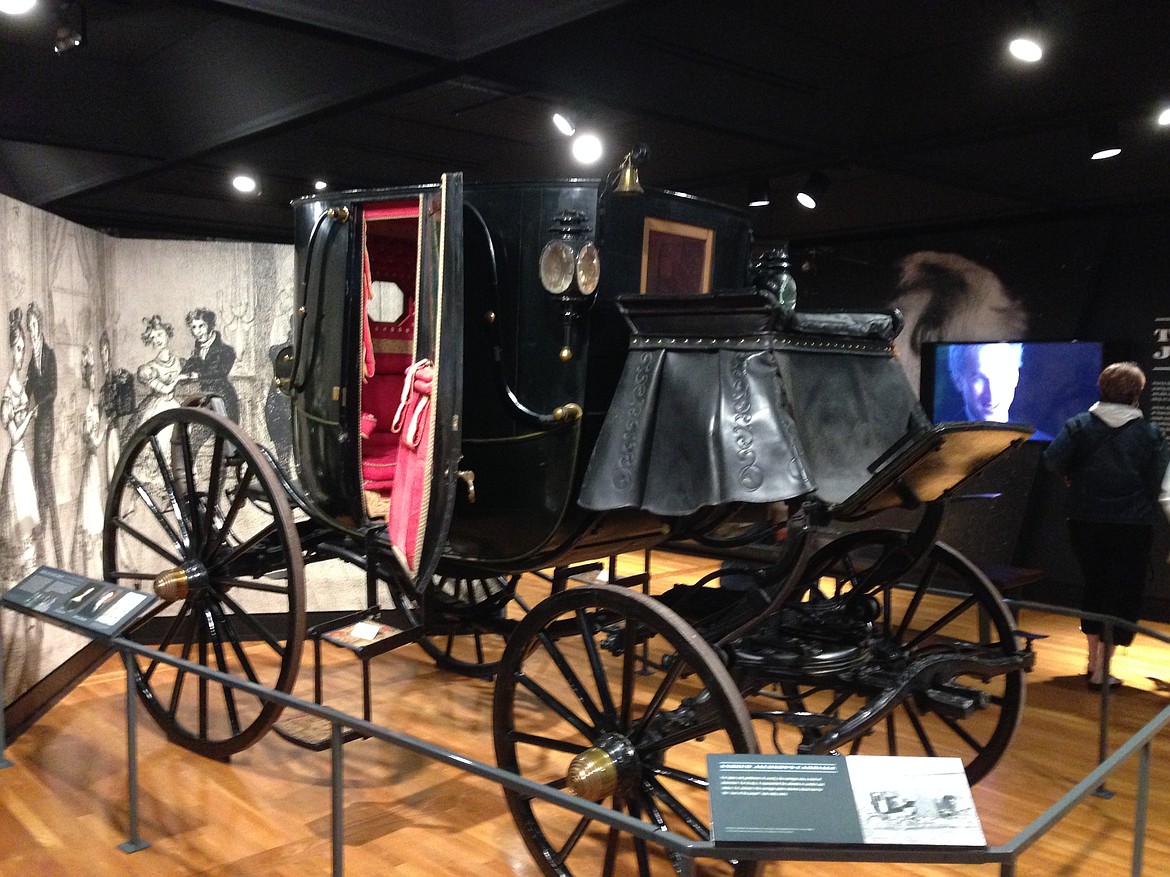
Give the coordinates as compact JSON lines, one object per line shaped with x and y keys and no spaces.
{"x":760,"y":196}
{"x":320,"y":185}
{"x":813,"y":191}
{"x":16,"y":7}
{"x":1164,"y":117}
{"x":1106,"y":143}
{"x":587,"y":148}
{"x":564,"y":124}
{"x":71,"y":27}
{"x":1026,"y":49}
{"x":246,"y":184}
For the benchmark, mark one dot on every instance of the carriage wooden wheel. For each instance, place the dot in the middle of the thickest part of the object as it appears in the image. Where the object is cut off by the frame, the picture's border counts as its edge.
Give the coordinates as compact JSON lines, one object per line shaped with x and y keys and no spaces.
{"x":196,"y":514}
{"x":950,"y":608}
{"x":587,"y":713}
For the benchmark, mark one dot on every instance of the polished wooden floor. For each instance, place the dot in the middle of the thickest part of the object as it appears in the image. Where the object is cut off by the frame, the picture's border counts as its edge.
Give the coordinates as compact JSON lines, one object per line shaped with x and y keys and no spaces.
{"x":63,"y":803}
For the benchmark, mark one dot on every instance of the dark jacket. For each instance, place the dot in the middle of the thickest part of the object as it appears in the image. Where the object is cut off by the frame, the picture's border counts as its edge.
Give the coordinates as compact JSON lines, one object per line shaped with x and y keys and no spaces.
{"x":1114,"y":472}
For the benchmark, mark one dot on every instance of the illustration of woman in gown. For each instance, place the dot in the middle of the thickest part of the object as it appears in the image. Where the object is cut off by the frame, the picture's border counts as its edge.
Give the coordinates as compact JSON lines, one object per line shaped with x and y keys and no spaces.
{"x":17,"y":491}
{"x":161,"y":374}
{"x":90,"y":515}
{"x":18,"y":517}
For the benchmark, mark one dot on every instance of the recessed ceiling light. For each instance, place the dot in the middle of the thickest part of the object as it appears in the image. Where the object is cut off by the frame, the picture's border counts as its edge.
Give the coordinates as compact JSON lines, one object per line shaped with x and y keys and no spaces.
{"x":564,"y":124}
{"x":587,"y":148}
{"x":1164,"y":117}
{"x":1026,"y":49}
{"x":244,"y":183}
{"x":320,"y":185}
{"x":16,"y":7}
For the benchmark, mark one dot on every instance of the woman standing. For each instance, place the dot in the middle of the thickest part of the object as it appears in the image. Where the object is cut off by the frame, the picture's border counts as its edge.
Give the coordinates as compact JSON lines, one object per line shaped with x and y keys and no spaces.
{"x":1113,"y":461}
{"x":18,"y":496}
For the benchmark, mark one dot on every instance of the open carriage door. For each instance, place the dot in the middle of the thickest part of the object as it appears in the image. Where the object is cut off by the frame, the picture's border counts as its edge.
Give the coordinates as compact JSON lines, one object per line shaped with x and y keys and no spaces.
{"x":427,"y":418}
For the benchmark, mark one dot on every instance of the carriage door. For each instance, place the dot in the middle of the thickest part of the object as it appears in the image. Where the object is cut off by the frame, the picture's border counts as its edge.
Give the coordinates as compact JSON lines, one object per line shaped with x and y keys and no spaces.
{"x":411,"y":394}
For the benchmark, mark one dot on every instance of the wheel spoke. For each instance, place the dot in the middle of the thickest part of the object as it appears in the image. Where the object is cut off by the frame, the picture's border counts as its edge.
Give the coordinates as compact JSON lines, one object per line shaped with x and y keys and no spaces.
{"x":959,"y":730}
{"x":145,"y":540}
{"x":571,"y":677}
{"x":158,"y":514}
{"x":571,"y":841}
{"x":555,"y":705}
{"x":943,"y":622}
{"x":169,"y":636}
{"x":545,"y":742}
{"x":229,"y":520}
{"x":243,"y":548}
{"x":183,"y":431}
{"x":652,"y":708}
{"x":255,"y":626}
{"x":251,"y":585}
{"x":693,"y":822}
{"x":171,"y":490}
{"x":916,"y":723}
{"x":916,"y":600}
{"x":676,"y":860}
{"x":682,"y":776}
{"x":600,"y":682}
{"x":216,"y":635}
{"x":214,"y":487}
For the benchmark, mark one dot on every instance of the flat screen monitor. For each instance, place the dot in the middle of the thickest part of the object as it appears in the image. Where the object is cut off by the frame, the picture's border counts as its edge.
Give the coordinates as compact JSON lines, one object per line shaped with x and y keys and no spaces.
{"x":1040,"y":383}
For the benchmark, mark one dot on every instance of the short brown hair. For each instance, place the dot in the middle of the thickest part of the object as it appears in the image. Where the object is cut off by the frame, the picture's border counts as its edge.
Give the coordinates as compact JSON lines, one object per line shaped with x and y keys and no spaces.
{"x":1121,"y":382}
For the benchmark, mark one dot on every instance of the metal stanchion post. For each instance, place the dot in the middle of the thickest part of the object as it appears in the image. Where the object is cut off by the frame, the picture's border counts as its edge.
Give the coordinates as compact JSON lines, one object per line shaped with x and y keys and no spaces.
{"x":1106,"y":692}
{"x":338,"y":803}
{"x":135,"y":843}
{"x":4,"y":762}
{"x":1141,"y":809}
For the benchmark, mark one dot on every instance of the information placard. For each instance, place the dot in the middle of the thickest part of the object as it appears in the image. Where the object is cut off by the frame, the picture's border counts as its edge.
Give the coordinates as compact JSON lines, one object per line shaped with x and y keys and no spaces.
{"x":854,"y":799}
{"x":99,"y":608}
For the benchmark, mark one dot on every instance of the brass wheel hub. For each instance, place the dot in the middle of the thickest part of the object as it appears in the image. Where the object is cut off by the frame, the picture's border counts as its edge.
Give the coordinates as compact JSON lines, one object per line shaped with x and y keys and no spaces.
{"x":178,"y":582}
{"x":610,"y":765}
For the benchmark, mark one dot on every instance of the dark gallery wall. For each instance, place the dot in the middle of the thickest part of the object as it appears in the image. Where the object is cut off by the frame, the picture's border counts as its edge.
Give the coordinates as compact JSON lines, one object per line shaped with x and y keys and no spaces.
{"x":1103,"y":278}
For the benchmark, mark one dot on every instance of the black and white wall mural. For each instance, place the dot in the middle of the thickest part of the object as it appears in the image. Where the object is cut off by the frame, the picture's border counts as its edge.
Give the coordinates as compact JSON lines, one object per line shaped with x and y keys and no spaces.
{"x":101,"y":333}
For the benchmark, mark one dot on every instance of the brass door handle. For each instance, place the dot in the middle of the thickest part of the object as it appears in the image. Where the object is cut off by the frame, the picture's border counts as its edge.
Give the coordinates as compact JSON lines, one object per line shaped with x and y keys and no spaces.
{"x":468,"y":478}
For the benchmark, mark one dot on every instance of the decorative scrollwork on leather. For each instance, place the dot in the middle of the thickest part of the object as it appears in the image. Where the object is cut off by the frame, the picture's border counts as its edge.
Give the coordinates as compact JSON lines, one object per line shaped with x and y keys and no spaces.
{"x":750,"y":476}
{"x":643,"y":368}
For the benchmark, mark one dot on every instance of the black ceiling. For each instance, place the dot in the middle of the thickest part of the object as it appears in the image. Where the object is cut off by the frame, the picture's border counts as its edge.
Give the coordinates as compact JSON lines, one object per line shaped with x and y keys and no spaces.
{"x":912,"y":108}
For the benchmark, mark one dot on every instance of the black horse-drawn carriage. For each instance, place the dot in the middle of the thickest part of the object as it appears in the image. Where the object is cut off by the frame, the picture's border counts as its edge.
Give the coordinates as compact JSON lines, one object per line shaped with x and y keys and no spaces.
{"x":465,"y":412}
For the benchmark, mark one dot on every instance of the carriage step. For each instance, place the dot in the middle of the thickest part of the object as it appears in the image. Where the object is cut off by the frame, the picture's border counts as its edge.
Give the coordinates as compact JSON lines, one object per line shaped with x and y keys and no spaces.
{"x":311,"y":732}
{"x":369,"y":636}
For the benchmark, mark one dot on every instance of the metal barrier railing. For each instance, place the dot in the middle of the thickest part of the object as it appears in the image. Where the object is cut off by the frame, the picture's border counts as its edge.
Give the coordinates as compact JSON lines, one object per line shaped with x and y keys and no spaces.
{"x":685,"y":850}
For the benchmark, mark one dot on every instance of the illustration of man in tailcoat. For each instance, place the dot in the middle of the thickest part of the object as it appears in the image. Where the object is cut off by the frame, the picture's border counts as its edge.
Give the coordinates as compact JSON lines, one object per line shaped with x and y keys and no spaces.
{"x":212,"y":360}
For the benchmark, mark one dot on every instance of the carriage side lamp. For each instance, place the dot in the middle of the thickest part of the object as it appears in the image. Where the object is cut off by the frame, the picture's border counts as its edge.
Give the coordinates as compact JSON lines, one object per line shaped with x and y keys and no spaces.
{"x":571,"y":269}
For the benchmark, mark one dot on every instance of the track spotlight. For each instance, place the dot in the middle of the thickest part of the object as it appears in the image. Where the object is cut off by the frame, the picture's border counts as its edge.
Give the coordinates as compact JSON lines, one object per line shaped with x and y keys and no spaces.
{"x":760,"y":196}
{"x":587,"y":148}
{"x":71,"y":27}
{"x":564,"y":124}
{"x":1026,"y":49}
{"x":813,"y":191}
{"x":16,"y":7}
{"x":245,"y":184}
{"x":1106,"y":143}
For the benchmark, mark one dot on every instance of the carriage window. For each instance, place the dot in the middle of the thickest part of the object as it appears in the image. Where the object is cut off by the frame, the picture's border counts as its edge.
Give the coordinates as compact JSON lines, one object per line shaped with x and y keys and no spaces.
{"x":676,"y":258}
